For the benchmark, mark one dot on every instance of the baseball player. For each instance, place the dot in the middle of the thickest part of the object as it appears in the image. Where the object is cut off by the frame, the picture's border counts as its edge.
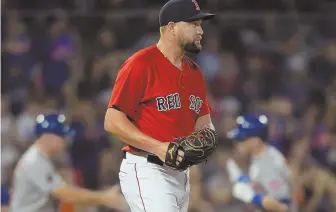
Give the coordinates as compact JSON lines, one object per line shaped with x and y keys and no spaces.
{"x":159,"y":95}
{"x":37,"y":185}
{"x":268,"y":172}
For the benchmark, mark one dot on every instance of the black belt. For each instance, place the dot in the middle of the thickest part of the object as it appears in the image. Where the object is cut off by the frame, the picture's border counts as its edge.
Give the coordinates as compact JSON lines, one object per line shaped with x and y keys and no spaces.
{"x":151,"y":159}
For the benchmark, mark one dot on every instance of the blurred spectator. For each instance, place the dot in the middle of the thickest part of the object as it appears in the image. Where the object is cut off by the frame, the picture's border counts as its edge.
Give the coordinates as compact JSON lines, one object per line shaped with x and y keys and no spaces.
{"x":218,"y":186}
{"x":209,"y":59}
{"x":17,"y":46}
{"x":198,"y":202}
{"x":18,"y":61}
{"x":25,"y":122}
{"x":101,"y":64}
{"x":17,"y":86}
{"x":9,"y":150}
{"x":56,"y":70}
{"x":322,"y":67}
{"x":88,"y":144}
{"x":321,"y":183}
{"x":225,"y":81}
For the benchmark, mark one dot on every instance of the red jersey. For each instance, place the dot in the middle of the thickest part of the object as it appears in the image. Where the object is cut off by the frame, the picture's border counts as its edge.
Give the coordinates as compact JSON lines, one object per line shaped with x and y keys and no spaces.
{"x":163,"y":101}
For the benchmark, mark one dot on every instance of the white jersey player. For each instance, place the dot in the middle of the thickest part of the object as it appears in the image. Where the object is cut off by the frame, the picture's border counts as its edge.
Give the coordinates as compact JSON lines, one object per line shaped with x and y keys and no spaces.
{"x":267,"y":184}
{"x":37,"y":186}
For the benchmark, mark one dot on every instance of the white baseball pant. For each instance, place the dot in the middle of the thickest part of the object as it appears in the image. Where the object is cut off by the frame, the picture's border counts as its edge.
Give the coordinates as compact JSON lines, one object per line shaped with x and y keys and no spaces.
{"x":149,"y":187}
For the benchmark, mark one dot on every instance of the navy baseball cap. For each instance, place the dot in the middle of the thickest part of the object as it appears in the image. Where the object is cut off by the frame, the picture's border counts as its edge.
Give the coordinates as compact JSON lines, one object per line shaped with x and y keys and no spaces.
{"x":250,"y":126}
{"x":52,"y":123}
{"x":182,"y":10}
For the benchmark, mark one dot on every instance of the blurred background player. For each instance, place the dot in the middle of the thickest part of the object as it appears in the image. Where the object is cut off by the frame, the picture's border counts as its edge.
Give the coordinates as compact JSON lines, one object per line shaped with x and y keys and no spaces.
{"x":267,"y":184}
{"x":37,"y":184}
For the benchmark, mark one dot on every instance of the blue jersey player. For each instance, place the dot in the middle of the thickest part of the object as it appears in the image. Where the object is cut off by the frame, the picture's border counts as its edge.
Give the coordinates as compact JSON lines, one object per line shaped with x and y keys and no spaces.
{"x":268,"y":170}
{"x":37,"y":184}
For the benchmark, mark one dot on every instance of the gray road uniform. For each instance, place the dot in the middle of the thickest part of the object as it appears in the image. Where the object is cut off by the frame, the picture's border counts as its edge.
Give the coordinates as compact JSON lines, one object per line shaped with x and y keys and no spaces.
{"x":268,"y":175}
{"x":34,"y":179}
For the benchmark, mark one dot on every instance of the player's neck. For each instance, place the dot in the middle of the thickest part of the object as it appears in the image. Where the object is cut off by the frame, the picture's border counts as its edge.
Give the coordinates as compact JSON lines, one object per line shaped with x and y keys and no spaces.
{"x":172,"y":52}
{"x":256,"y":152}
{"x":44,"y":150}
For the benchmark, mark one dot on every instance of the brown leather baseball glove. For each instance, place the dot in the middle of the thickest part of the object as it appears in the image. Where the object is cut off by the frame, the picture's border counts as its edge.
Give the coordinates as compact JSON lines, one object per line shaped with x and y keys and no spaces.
{"x":197,"y":147}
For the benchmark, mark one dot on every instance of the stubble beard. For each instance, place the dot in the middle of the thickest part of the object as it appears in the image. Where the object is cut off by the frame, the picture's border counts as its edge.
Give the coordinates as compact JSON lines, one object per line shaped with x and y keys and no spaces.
{"x":192,"y":47}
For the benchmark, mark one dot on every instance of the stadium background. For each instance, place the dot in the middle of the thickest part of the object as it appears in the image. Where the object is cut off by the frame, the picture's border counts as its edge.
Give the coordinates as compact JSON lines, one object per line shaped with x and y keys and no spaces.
{"x":277,"y":57}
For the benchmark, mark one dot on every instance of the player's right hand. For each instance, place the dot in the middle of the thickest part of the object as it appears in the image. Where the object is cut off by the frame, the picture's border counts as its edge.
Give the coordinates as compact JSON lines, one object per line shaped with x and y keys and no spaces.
{"x":113,"y":198}
{"x":163,"y":152}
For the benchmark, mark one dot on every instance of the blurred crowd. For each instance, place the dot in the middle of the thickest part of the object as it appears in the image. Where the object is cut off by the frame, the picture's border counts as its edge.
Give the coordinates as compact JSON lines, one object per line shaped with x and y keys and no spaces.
{"x":263,"y":58}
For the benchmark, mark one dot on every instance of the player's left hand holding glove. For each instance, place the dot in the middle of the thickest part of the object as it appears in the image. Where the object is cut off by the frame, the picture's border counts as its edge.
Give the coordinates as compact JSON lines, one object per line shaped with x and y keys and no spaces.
{"x":196,"y":148}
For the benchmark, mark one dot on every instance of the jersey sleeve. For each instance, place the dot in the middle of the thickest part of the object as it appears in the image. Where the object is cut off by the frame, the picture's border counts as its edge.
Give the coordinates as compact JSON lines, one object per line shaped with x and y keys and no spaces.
{"x":233,"y":170}
{"x":206,"y":108}
{"x":129,"y":86}
{"x":44,"y":177}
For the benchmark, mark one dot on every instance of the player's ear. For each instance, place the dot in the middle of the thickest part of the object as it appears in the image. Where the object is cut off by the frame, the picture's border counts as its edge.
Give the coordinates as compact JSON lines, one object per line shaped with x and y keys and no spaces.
{"x":171,"y":27}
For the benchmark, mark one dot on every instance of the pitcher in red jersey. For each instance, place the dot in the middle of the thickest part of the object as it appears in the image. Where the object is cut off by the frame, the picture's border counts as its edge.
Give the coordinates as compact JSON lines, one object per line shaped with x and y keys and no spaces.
{"x":160,"y":95}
